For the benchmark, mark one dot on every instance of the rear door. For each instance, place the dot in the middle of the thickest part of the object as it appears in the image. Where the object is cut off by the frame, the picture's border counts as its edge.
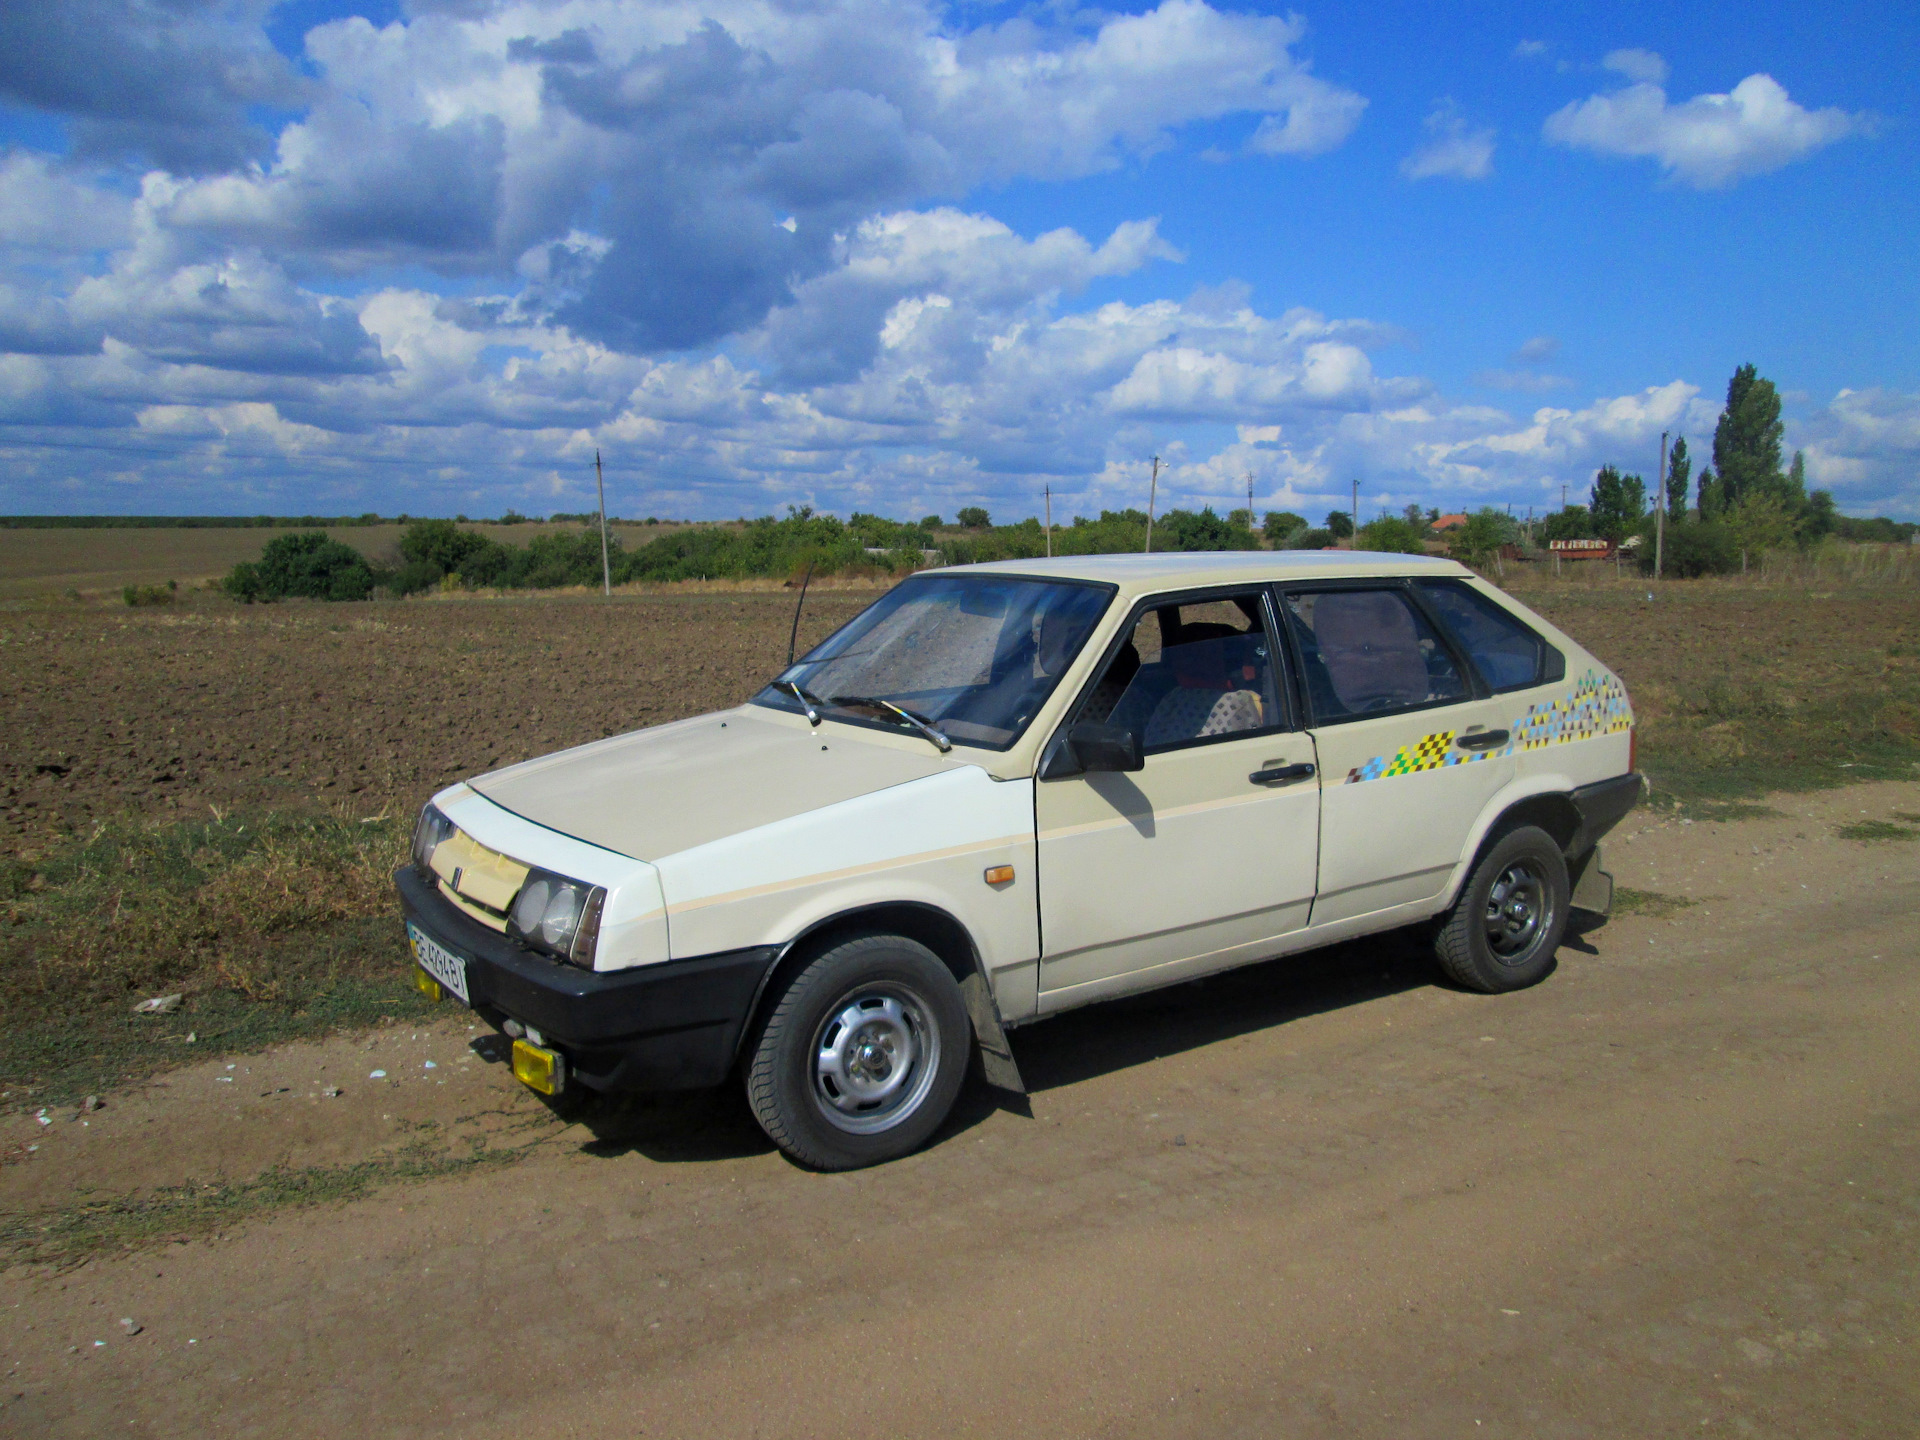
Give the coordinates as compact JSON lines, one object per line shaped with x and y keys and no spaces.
{"x":1204,"y":857}
{"x":1412,"y":745}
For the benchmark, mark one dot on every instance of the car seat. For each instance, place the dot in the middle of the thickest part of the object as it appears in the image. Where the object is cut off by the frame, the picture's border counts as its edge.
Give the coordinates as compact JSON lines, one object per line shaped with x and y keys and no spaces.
{"x":1370,"y":649}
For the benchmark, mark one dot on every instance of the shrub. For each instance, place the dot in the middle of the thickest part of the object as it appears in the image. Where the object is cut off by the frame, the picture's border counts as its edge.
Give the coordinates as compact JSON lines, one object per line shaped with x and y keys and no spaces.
{"x":441,"y":543}
{"x":151,"y":594}
{"x":1280,"y":524}
{"x":306,"y":564}
{"x":1390,"y":535}
{"x":1186,"y":530}
{"x":1695,"y":548}
{"x":1310,"y":539}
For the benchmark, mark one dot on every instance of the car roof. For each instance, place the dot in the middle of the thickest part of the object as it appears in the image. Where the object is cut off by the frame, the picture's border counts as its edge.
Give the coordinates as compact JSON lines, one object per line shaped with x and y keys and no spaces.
{"x":1139,"y":574}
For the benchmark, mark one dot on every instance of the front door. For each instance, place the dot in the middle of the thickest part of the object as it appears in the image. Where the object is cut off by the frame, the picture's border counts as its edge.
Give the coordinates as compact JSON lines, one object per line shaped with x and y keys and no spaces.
{"x":1410,"y":753}
{"x":1204,"y":857}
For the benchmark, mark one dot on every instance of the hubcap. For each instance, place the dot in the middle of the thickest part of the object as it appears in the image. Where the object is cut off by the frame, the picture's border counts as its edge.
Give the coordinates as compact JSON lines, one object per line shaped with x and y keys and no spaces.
{"x":1519,"y":909}
{"x":874,"y":1058}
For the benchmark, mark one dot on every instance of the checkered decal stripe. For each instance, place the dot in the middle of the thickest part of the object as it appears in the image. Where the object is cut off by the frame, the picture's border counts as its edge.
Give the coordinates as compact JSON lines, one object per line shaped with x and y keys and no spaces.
{"x":1429,"y":752}
{"x":1597,"y":705}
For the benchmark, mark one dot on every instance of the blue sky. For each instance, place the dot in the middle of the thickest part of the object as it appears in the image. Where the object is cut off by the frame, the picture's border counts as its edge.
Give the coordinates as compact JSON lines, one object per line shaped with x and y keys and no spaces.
{"x":428,"y":256}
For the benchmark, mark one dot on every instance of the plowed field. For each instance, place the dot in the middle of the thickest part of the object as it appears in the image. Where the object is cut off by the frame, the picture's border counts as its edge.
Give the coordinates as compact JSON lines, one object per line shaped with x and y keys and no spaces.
{"x":168,"y":711}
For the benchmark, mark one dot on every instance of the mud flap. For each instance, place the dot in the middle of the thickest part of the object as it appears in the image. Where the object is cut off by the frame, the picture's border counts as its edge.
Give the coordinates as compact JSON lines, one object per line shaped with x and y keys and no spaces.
{"x":1592,"y":885}
{"x":996,"y":1056}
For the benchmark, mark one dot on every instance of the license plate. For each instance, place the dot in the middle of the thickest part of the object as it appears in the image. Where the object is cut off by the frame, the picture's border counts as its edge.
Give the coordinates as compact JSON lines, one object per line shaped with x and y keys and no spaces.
{"x":438,"y":961}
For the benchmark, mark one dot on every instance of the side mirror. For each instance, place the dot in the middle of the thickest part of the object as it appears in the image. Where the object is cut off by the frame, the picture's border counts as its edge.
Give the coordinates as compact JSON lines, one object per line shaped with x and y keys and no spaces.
{"x":1106,"y":747}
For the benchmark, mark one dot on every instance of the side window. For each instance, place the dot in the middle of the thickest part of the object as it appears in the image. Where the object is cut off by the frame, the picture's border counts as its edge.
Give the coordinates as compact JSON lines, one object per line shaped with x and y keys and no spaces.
{"x":1191,"y":672}
{"x":1509,"y":655}
{"x":1368,"y":651}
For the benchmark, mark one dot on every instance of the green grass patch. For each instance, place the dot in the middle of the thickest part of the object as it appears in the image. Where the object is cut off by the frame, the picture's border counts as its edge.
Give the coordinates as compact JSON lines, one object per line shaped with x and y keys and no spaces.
{"x":1740,"y":689}
{"x":1869,"y":831}
{"x":269,"y":927}
{"x":72,"y":1233}
{"x":1651,"y":903}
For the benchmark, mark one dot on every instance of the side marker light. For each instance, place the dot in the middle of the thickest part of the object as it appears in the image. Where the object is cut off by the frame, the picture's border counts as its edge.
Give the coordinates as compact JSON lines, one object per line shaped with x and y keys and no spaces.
{"x":998,"y":875}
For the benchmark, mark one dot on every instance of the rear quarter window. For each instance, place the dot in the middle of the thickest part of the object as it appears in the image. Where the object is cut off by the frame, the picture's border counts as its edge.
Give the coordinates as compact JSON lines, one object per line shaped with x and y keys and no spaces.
{"x":1507,"y":653}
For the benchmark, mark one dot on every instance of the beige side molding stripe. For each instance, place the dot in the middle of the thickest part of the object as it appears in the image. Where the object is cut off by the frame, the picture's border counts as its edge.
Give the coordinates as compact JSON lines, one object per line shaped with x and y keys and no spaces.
{"x":824,"y":877}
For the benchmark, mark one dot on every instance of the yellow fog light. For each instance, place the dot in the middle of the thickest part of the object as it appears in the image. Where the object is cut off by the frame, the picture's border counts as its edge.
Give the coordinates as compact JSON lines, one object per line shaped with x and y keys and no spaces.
{"x":427,"y":985}
{"x":538,"y":1068}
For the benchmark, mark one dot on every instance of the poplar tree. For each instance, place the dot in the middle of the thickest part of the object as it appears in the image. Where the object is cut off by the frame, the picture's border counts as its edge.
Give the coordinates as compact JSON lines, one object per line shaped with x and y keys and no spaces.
{"x":1679,"y":470}
{"x":1746,"y":442}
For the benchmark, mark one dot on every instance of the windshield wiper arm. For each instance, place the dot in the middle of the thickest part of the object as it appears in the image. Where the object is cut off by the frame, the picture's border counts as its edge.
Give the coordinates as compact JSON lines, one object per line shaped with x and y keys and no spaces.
{"x":805,"y":696}
{"x":919,"y":722}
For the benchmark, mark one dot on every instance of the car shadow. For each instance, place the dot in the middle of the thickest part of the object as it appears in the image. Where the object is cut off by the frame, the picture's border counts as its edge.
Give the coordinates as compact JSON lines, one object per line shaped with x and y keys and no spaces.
{"x":696,"y":1126}
{"x":1119,"y":1034}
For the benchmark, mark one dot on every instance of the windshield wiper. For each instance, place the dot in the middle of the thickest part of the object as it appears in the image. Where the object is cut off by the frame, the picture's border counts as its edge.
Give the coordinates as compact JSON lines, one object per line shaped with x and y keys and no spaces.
{"x":919,"y":722}
{"x":805,"y":696}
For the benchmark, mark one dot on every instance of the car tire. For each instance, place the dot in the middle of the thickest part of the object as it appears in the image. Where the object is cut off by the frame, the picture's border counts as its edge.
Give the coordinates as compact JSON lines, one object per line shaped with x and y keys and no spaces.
{"x":1504,"y":930}
{"x":860,"y":1053}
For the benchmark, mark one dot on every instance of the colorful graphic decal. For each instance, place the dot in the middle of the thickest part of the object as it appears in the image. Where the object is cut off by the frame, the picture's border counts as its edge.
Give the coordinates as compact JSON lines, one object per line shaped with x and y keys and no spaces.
{"x":1597,"y":705}
{"x":1430,"y":752}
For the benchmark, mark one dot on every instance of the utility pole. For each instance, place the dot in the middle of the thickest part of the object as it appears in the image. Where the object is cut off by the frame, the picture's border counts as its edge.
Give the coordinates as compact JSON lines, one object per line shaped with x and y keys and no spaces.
{"x":1250,"y":525}
{"x":606,"y":571}
{"x":1660,"y":515}
{"x":1153,"y":488}
{"x":1353,"y":536}
{"x":1563,"y":494}
{"x":1049,"y":494}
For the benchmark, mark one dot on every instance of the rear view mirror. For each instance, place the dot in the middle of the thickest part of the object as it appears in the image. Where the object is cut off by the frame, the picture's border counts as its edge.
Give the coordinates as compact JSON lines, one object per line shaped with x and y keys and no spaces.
{"x":1106,"y":747}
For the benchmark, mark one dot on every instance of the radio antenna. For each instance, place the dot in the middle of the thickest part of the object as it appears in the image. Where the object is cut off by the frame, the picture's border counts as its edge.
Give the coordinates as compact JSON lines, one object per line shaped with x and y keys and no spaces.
{"x":793,"y":636}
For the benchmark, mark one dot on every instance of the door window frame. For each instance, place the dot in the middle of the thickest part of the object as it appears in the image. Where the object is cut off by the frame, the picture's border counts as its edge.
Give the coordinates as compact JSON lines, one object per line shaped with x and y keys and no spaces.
{"x":1477,"y":688}
{"x":1549,"y":652}
{"x":1292,"y":718}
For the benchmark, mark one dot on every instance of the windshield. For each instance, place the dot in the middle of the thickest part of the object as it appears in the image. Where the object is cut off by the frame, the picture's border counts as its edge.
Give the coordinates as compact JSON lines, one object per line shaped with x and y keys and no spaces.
{"x":973,"y":656}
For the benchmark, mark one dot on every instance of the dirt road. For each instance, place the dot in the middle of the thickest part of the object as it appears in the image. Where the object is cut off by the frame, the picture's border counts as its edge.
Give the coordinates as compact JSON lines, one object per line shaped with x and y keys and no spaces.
{"x":1674,"y":1190}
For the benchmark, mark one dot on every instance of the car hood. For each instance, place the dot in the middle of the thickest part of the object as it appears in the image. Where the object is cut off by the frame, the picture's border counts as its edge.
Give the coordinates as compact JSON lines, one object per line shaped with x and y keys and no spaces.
{"x":657,"y":792}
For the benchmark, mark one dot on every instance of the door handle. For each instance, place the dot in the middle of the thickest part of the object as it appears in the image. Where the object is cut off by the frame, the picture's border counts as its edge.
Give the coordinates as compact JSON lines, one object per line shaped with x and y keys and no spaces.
{"x":1481,"y":740}
{"x":1280,"y":774}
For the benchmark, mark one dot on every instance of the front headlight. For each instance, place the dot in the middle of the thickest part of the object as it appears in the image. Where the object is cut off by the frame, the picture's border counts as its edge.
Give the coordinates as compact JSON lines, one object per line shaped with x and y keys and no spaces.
{"x":428,"y":832}
{"x":558,"y":915}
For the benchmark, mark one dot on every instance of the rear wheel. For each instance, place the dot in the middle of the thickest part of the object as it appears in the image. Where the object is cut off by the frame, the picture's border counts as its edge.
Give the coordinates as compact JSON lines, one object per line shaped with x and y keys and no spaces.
{"x":1503,"y":931}
{"x":861,"y":1054}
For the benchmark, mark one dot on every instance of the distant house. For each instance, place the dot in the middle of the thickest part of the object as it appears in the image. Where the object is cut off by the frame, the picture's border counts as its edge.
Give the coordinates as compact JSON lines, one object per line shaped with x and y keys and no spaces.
{"x":1446,"y":523}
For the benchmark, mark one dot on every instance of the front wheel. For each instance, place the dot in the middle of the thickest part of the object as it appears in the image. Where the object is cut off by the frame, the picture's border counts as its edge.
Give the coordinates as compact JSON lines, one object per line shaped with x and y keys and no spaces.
{"x":861,"y":1054}
{"x":1504,"y":929}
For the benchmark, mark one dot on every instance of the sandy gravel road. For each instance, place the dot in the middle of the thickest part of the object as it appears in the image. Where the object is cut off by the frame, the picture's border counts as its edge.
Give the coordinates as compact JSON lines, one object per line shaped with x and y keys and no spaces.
{"x":1675,"y":1190}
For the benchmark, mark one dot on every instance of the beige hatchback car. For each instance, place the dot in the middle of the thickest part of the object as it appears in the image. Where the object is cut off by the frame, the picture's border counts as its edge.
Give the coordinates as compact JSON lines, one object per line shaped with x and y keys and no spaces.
{"x":1003,"y":791}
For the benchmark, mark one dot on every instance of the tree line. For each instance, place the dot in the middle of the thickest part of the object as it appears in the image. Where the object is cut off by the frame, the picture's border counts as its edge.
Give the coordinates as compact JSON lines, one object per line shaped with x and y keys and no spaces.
{"x":1742,"y":505}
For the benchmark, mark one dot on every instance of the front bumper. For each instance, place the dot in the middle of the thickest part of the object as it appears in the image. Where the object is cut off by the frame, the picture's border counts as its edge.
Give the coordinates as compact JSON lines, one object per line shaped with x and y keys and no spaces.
{"x":671,"y":1026}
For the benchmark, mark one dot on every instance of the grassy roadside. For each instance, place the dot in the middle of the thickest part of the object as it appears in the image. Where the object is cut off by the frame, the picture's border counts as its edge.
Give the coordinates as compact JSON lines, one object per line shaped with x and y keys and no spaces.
{"x":72,"y":1233}
{"x":268,"y":927}
{"x":1743,"y":690}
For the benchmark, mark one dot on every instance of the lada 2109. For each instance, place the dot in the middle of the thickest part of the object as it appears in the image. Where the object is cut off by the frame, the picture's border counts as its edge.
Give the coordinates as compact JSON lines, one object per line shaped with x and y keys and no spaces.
{"x":1003,"y":791}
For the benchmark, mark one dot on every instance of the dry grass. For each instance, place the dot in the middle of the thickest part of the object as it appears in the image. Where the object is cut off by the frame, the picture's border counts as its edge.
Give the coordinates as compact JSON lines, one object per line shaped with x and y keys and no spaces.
{"x":267,"y":927}
{"x":72,"y":1233}
{"x":1741,"y":687}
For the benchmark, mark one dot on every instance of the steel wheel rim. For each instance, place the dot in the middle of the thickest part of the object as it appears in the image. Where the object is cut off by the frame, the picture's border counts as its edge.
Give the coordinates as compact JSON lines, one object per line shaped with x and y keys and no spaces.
{"x":1518,"y":913}
{"x":874,"y":1058}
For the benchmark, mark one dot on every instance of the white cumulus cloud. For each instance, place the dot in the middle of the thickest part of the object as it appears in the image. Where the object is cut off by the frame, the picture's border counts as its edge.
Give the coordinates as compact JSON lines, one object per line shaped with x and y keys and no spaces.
{"x":1453,"y":148}
{"x":1710,"y":141}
